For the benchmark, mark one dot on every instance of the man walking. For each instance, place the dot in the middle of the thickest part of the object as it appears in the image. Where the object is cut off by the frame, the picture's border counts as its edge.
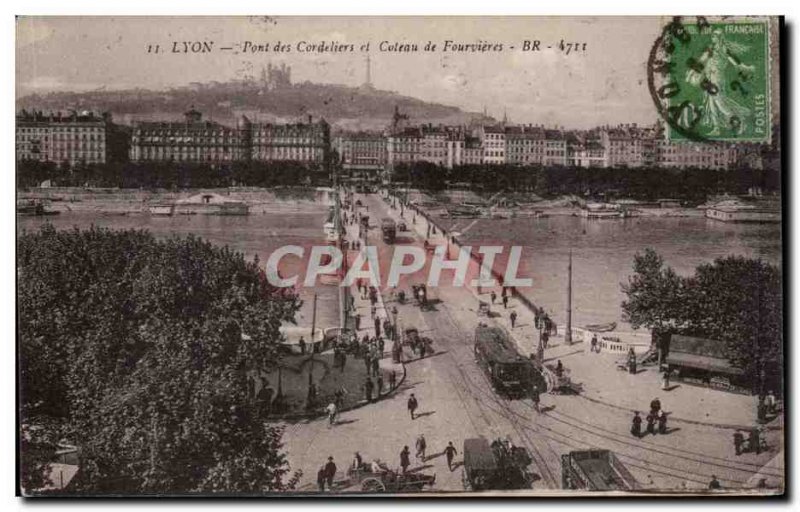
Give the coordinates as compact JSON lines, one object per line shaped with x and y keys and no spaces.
{"x":593,"y":347}
{"x":754,"y":441}
{"x":738,"y":441}
{"x":651,"y":423}
{"x":377,"y":326}
{"x":505,"y":301}
{"x":422,"y":445}
{"x":412,"y":405}
{"x":368,"y":385}
{"x":302,"y":344}
{"x":636,"y":425}
{"x":405,"y":459}
{"x":513,"y":318}
{"x":535,"y":397}
{"x":331,"y":410}
{"x":330,"y":472}
{"x":662,"y":422}
{"x":494,"y":297}
{"x":321,"y":477}
{"x":450,"y":452}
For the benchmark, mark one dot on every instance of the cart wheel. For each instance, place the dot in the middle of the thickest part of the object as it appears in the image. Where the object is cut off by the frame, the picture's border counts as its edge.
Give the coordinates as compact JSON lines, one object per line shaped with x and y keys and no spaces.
{"x":372,"y":485}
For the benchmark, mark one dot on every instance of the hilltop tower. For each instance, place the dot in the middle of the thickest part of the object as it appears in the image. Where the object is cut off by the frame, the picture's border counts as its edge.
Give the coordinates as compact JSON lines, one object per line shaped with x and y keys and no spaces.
{"x":368,"y":81}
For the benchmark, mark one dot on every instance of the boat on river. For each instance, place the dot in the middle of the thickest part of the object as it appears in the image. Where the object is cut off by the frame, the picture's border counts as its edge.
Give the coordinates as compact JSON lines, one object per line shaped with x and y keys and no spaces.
{"x":607,"y":327}
{"x":33,"y":208}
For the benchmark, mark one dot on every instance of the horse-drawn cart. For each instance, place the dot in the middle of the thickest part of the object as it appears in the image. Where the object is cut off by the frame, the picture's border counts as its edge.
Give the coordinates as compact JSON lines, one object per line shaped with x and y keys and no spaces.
{"x":421,"y":345}
{"x":374,"y":478}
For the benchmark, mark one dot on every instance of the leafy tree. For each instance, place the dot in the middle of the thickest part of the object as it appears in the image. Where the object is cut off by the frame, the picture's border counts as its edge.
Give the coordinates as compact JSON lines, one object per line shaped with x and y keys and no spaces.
{"x":735,"y":300}
{"x":139,"y":349}
{"x":739,"y":301}
{"x":655,"y":296}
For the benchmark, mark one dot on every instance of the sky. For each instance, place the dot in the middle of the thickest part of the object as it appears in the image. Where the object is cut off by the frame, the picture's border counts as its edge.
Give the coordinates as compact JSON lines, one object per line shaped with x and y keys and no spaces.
{"x":605,"y":83}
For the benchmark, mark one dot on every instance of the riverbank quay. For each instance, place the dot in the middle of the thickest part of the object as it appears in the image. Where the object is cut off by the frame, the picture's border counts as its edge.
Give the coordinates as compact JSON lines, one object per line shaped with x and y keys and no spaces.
{"x":260,"y":201}
{"x":699,"y":417}
{"x":602,"y":366}
{"x":455,"y":204}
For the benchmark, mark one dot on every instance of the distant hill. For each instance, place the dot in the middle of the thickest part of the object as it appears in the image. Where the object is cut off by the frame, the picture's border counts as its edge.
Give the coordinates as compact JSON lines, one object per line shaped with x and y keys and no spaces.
{"x":351,"y":108}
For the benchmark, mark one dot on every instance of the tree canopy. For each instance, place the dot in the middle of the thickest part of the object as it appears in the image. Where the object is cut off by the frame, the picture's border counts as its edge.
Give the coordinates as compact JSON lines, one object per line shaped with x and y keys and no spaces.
{"x":136,"y":350}
{"x":736,"y":300}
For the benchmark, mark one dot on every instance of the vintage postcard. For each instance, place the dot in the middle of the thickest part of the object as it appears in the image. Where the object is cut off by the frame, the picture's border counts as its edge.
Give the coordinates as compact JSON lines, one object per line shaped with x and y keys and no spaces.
{"x":409,"y":256}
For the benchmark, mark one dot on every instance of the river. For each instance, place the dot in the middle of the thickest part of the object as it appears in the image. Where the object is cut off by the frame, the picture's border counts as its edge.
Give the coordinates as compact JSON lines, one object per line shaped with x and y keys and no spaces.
{"x":252,"y":235}
{"x":603,"y":252}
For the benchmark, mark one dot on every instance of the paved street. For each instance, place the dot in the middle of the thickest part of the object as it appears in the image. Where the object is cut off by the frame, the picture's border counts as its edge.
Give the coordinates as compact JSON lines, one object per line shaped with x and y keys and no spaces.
{"x":457,"y":402}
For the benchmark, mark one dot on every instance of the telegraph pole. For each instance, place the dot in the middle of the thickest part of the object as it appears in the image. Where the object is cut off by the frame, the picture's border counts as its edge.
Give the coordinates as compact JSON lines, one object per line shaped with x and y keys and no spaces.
{"x":568,"y":334}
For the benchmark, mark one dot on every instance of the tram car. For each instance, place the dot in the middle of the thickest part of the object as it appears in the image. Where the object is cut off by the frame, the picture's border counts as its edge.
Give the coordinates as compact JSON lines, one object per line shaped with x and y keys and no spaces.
{"x":510,"y":373}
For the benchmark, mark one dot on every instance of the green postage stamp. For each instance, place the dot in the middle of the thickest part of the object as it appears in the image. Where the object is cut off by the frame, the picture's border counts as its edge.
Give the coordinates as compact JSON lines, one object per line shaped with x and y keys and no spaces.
{"x":717,"y":88}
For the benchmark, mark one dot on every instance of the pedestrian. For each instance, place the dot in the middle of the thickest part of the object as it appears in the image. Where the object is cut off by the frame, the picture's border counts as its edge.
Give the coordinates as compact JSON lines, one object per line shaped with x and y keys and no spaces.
{"x":368,"y":385}
{"x":636,"y":425}
{"x":357,"y":317}
{"x":405,"y":460}
{"x":450,"y":452}
{"x":302,"y":344}
{"x":504,"y":292}
{"x":513,"y":318}
{"x":493,"y":296}
{"x":321,"y":477}
{"x":593,"y":347}
{"x":412,"y":405}
{"x":632,"y":365}
{"x":422,"y":445}
{"x":665,"y":381}
{"x":655,"y":405}
{"x":762,"y":438}
{"x":392,"y":380}
{"x":754,"y":442}
{"x":651,"y":423}
{"x":339,"y":398}
{"x":559,"y":368}
{"x":377,"y":326}
{"x":545,"y":339}
{"x":505,"y":301}
{"x":376,"y":368}
{"x":714,"y":483}
{"x":662,"y":422}
{"x":738,"y":441}
{"x":331,"y":410}
{"x":771,"y":402}
{"x":330,"y":472}
{"x":535,"y":397}
{"x":379,"y":385}
{"x":381,"y":346}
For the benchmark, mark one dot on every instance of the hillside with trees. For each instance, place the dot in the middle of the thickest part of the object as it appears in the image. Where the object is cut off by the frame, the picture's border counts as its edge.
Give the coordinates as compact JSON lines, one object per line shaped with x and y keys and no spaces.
{"x":349,"y":107}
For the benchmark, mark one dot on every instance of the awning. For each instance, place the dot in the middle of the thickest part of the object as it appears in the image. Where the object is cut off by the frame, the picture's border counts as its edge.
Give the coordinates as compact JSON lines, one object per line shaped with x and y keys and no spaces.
{"x":712,"y":364}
